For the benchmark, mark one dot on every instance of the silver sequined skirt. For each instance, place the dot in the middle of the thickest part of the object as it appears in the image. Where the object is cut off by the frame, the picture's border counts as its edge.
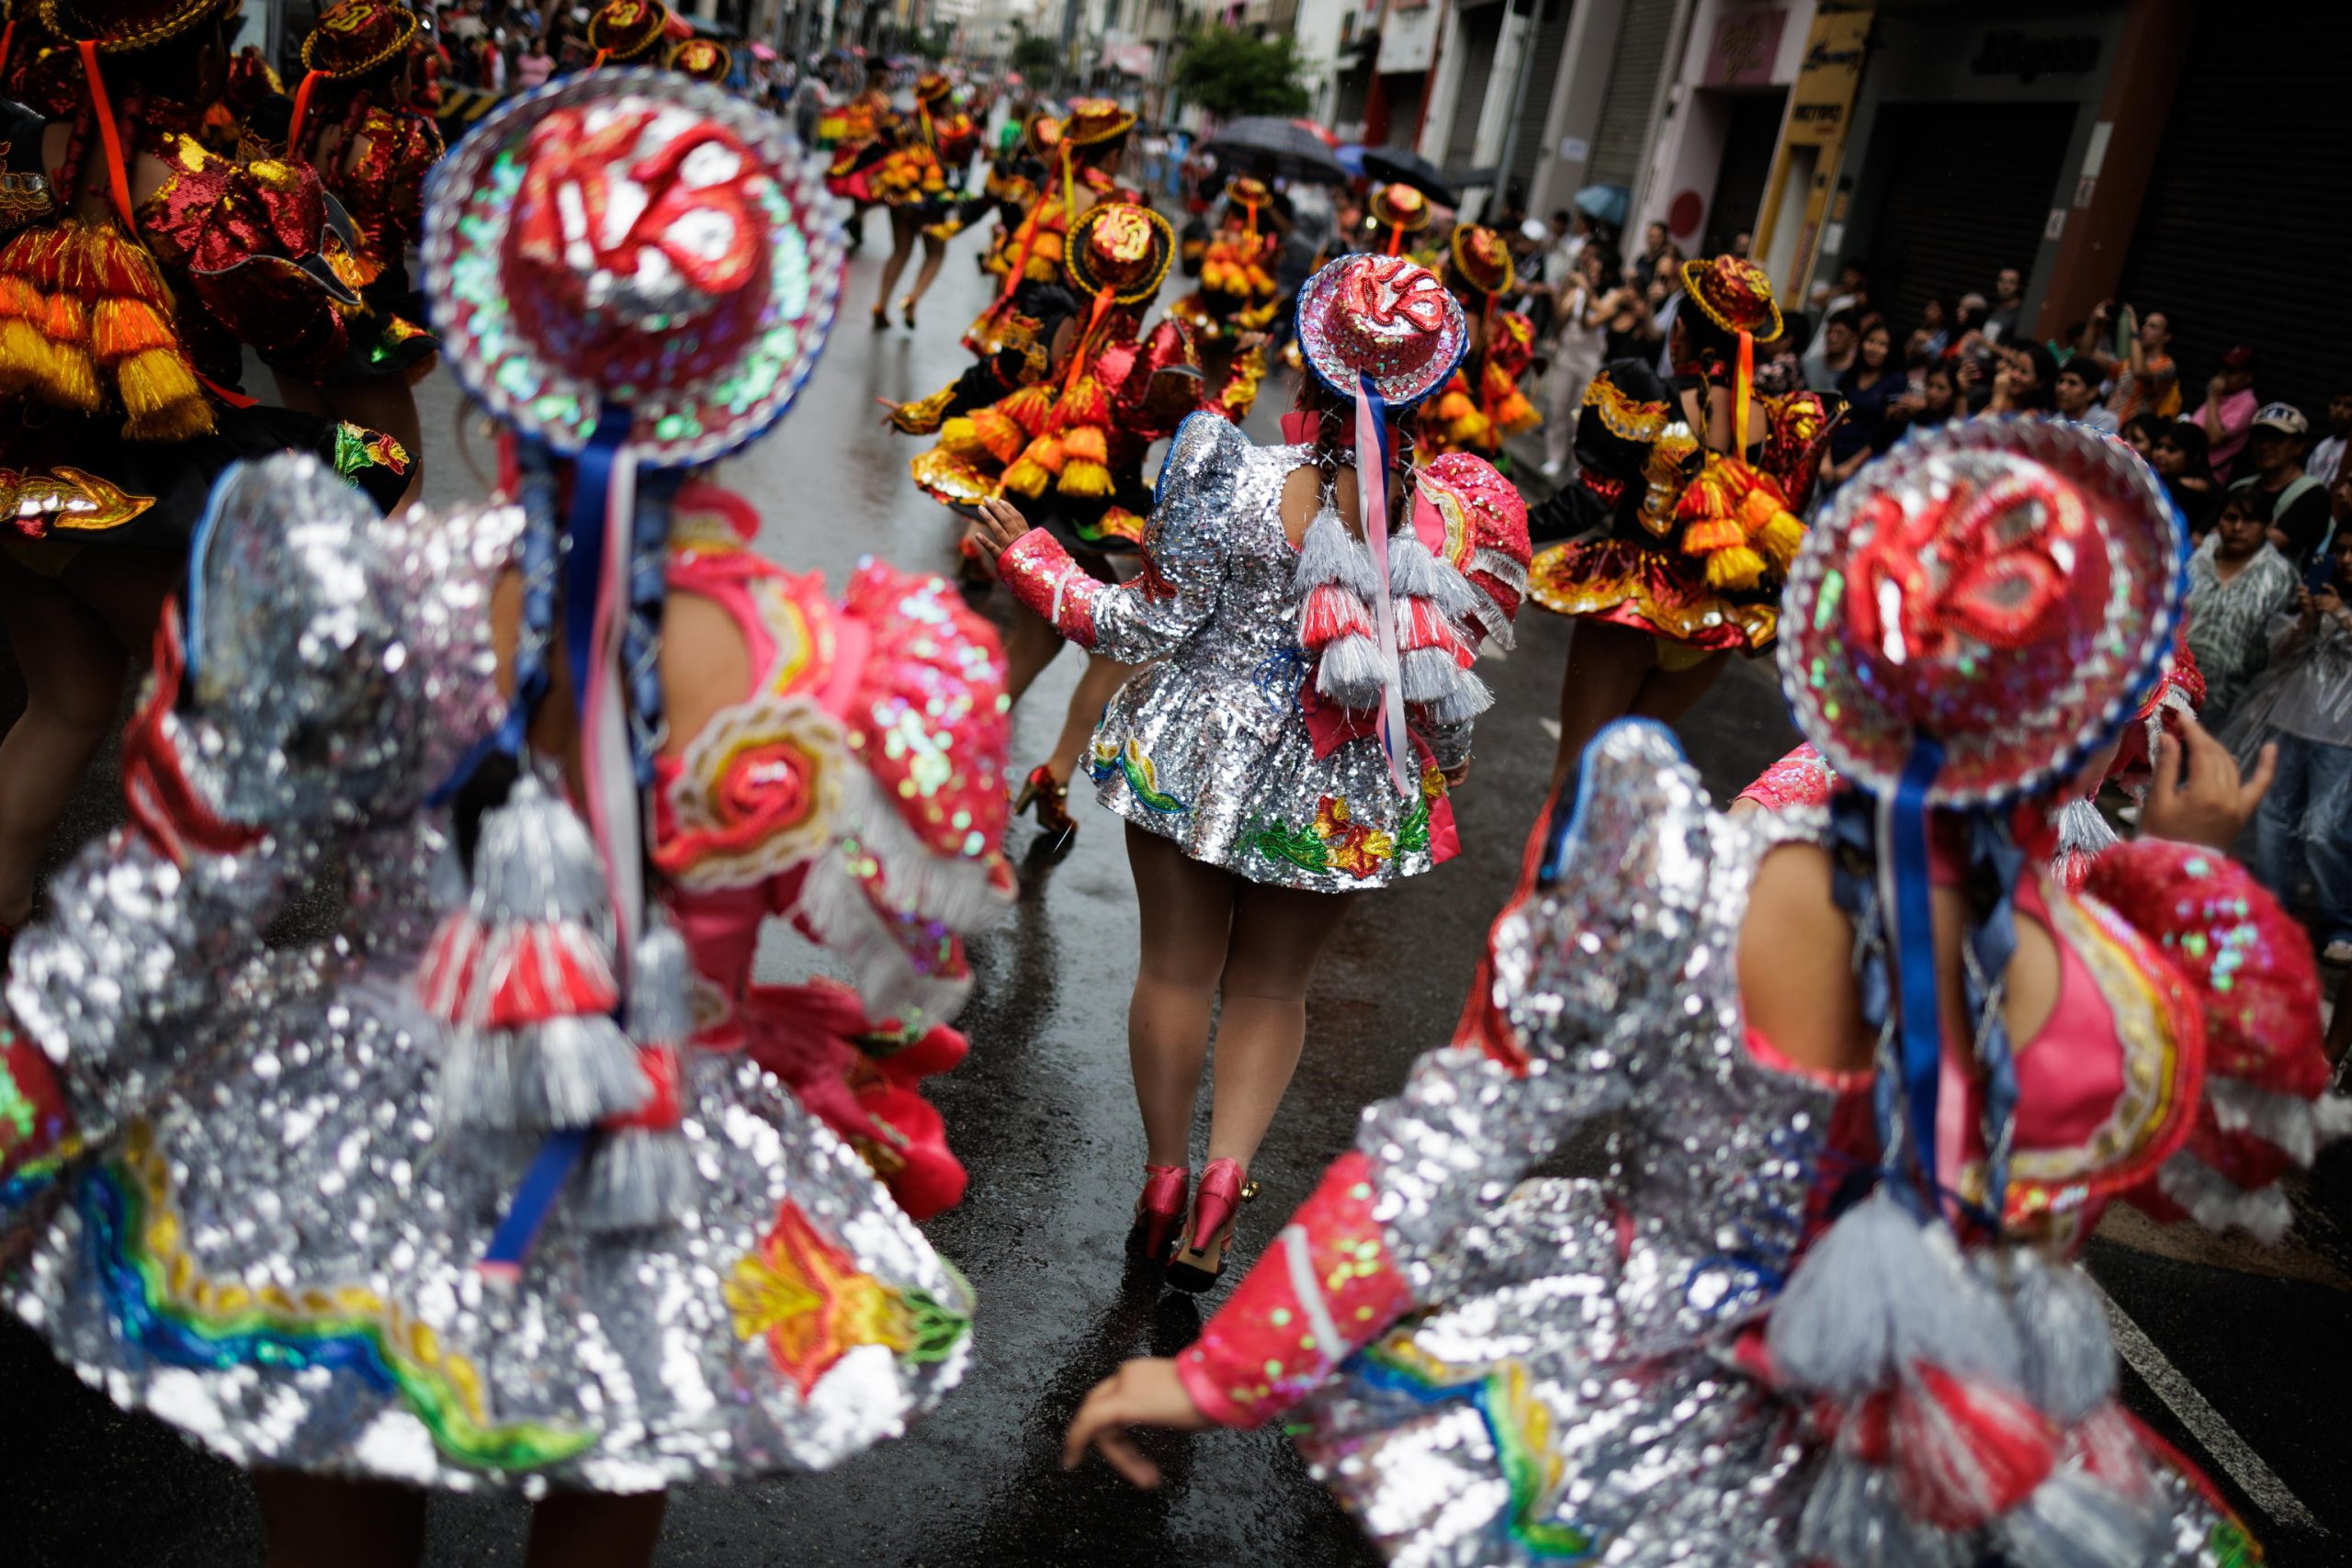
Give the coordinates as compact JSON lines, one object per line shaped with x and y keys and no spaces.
{"x":1224,"y":766}
{"x":281,"y":1260}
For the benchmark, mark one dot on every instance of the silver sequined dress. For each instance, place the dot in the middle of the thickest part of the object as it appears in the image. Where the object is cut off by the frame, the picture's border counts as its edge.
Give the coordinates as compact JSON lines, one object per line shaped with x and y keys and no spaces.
{"x":268,"y":1237}
{"x":1210,"y":744}
{"x":1574,"y":1377}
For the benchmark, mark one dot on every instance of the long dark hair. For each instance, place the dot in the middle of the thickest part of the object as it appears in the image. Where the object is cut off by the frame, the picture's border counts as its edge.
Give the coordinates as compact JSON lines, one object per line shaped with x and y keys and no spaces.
{"x":1334,"y":439}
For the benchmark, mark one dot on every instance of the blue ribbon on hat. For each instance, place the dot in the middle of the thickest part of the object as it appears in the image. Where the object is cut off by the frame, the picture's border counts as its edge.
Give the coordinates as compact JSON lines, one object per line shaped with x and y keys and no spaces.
{"x":1908,"y":898}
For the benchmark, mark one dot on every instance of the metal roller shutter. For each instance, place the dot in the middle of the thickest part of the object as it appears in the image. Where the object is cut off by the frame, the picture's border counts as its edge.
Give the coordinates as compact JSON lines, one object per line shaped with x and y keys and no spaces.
{"x":1527,"y":148}
{"x":1481,"y":32}
{"x":1633,"y":67}
{"x":1968,"y":190}
{"x":2248,"y":216}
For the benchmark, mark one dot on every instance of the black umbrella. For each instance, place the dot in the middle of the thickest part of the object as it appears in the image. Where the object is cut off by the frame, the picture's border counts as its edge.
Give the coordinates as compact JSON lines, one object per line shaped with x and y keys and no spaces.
{"x":1402,"y":166}
{"x":1280,"y":148}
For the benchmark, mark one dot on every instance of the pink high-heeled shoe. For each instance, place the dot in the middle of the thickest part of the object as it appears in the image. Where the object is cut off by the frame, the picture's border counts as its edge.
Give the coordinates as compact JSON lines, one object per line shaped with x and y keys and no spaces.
{"x":1198,"y":1263}
{"x":1159,"y":1210}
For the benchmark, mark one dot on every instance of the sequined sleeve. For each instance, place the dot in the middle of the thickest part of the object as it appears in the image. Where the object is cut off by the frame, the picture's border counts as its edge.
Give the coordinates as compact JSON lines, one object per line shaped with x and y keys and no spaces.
{"x":1182,"y":558}
{"x":246,"y":239}
{"x":1583,"y":972}
{"x":1802,"y":778}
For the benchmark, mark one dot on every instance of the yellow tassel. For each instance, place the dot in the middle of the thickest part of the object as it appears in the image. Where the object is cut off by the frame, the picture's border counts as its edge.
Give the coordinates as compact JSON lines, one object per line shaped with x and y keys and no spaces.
{"x":1029,"y":408}
{"x":1469,"y":430}
{"x":1046,"y":452}
{"x":1455,"y":406}
{"x":998,"y":435}
{"x":1518,"y":414}
{"x":1085,"y":444}
{"x":1118,"y":522}
{"x":1082,"y":477}
{"x":121,"y":328}
{"x":1025,"y":478}
{"x":1781,"y":538}
{"x":1729,"y":570}
{"x":1712,"y":534}
{"x":159,"y":394}
{"x":56,"y":373}
{"x":962,"y":438}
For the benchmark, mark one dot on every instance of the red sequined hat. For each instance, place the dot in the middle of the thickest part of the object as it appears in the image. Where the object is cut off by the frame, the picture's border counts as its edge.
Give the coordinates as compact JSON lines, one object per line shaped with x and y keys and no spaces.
{"x":1735,"y":295}
{"x":1400,"y":206}
{"x":626,"y":30}
{"x":702,"y":60}
{"x":356,"y":37}
{"x":1123,"y":248}
{"x":1095,"y":119}
{"x":2007,"y":588}
{"x":1483,"y":258}
{"x":1384,"y":317}
{"x":631,"y":240}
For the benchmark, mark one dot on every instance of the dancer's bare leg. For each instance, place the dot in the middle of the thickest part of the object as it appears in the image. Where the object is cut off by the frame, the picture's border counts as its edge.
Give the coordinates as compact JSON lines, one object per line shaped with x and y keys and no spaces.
{"x":1094,"y":690}
{"x":934,"y":253}
{"x":1029,"y":646}
{"x":1607,"y":665}
{"x":595,"y":1529}
{"x":310,"y":1521}
{"x":1186,"y":908}
{"x":1278,"y":937}
{"x":903,"y":245}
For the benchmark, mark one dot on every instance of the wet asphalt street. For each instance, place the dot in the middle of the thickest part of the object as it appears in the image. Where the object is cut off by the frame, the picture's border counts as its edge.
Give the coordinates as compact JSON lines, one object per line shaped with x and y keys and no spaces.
{"x":2228,"y":1357}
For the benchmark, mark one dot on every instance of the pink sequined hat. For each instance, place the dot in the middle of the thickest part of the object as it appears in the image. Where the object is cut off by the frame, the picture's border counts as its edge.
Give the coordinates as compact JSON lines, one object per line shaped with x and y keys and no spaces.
{"x":631,"y":240}
{"x":2006,"y":587}
{"x":1382,"y":317}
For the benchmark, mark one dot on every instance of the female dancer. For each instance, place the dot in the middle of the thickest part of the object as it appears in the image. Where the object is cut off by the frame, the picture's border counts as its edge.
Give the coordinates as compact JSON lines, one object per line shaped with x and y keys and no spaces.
{"x":861,"y":142}
{"x":136,"y":266}
{"x":483,"y":1193}
{"x":1237,"y":298}
{"x":1483,"y":403}
{"x":1309,"y":707}
{"x":354,"y":123}
{"x":1824,"y":1312}
{"x":911,"y":182}
{"x":1073,"y":443}
{"x":1679,"y":581}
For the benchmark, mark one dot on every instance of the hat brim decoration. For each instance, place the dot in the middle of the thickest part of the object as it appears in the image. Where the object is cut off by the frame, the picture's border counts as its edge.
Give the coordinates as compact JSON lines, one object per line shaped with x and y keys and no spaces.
{"x":697,"y":381}
{"x":1697,"y":275}
{"x":345,"y":43}
{"x":1399,"y":386}
{"x":1146,"y":282}
{"x":116,"y":34}
{"x":1077,"y":132}
{"x":631,"y":37}
{"x":700,"y":60}
{"x":1868,"y":682}
{"x":1475,"y":272}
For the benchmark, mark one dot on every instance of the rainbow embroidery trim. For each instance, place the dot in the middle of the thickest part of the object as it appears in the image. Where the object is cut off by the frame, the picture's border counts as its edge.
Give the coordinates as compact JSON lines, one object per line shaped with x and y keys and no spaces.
{"x":164,"y":1306}
{"x":1520,"y":1426}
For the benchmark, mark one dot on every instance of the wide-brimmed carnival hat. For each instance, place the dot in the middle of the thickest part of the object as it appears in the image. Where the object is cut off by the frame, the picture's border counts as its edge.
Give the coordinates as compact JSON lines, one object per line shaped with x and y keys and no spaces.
{"x":702,"y":60}
{"x":1401,"y":210}
{"x":1094,"y":120}
{"x":631,"y":241}
{"x":121,"y":26}
{"x":931,"y":87}
{"x":1981,"y":610}
{"x":356,"y":37}
{"x":1122,"y":248}
{"x":1482,"y":257}
{"x":1383,"y":319}
{"x":1734,"y":293}
{"x":1043,"y":135}
{"x":623,"y":32}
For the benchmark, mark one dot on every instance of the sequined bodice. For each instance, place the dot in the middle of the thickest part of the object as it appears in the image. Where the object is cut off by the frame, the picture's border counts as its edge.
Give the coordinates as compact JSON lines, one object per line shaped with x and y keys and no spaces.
{"x":1255,"y":620}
